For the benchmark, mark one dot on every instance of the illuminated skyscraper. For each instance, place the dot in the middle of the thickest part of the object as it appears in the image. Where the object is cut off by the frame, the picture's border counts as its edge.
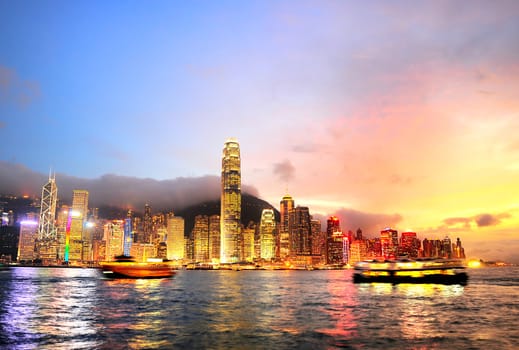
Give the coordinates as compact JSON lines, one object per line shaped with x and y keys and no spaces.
{"x":286,"y":204}
{"x":147,"y":225}
{"x":47,"y":242}
{"x":49,"y":198}
{"x":230,"y":202}
{"x":201,"y":238}
{"x":334,"y":241}
{"x":114,"y":237}
{"x":318,"y":239}
{"x":389,"y":242}
{"x":128,"y":234}
{"x":28,"y":235}
{"x":214,"y":238}
{"x":267,"y":234}
{"x":409,"y":244}
{"x":175,"y":240}
{"x":78,"y":217}
{"x":247,"y":241}
{"x":300,"y":232}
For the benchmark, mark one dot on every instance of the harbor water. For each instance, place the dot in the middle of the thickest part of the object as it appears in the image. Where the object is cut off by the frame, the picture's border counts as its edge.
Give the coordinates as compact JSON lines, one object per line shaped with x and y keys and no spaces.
{"x":74,"y":308}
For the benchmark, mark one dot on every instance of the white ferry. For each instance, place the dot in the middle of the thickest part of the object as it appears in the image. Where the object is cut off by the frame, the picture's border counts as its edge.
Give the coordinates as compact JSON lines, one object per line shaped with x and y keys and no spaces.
{"x":439,"y":271}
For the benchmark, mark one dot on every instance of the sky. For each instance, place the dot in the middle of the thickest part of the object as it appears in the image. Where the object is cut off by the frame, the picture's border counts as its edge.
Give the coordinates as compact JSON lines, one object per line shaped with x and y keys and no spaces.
{"x":401,"y":114}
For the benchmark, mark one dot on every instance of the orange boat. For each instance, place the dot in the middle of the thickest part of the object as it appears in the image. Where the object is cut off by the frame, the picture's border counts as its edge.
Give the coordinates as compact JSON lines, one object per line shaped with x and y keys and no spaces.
{"x":127,"y":267}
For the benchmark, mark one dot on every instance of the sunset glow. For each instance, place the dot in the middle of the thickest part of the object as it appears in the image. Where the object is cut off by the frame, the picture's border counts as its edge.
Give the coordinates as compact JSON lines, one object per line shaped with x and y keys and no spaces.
{"x":380,"y":113}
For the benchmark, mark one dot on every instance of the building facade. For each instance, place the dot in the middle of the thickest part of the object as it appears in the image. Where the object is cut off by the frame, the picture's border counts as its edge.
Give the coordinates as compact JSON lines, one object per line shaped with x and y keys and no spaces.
{"x":283,"y":242}
{"x":47,"y":245}
{"x":334,"y":241}
{"x":230,"y":224}
{"x":267,"y":234}
{"x":175,"y":238}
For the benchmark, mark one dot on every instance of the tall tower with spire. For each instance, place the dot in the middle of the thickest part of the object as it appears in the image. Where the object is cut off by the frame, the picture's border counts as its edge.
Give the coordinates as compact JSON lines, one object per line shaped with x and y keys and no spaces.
{"x":230,"y":226}
{"x":47,"y":241}
{"x":49,"y":198}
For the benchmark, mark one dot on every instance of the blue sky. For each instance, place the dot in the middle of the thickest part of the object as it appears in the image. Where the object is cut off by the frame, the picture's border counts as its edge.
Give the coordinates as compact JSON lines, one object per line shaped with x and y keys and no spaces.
{"x":402,"y":113}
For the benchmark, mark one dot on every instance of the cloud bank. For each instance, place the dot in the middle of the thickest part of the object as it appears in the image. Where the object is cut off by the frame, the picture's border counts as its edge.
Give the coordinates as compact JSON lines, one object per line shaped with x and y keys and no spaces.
{"x":370,"y":223}
{"x":116,"y":190}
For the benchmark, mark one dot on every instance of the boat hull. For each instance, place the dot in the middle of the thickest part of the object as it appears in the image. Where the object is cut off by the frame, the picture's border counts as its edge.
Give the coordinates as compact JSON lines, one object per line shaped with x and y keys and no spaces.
{"x":458,"y":278}
{"x":137,"y":270}
{"x":408,"y":271}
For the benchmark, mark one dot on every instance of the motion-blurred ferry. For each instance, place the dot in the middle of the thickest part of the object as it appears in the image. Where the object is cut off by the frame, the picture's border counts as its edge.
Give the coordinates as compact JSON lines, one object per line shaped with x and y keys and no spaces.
{"x":127,"y":267}
{"x":439,"y":271}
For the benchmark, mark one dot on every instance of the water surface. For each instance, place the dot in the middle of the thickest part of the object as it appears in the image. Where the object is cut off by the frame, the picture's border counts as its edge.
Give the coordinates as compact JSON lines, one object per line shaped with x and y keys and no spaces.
{"x":67,"y":308}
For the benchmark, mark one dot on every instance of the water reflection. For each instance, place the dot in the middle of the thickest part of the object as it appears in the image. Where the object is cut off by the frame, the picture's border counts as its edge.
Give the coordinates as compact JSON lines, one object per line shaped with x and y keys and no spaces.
{"x":418,"y":311}
{"x":341,"y":304}
{"x":133,"y":311}
{"x":50,"y":307}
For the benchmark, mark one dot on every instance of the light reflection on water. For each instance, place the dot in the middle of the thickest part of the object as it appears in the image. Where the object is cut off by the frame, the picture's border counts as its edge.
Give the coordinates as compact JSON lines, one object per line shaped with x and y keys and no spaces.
{"x":75,"y":308}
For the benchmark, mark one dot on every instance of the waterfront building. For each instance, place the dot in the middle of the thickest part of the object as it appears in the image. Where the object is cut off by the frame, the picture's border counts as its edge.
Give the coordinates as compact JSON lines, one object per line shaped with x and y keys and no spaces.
{"x":99,"y":250}
{"x":175,"y":237}
{"x":374,"y":248}
{"x":147,"y":226}
{"x":389,"y":242}
{"x":47,"y":241}
{"x":318,"y":241}
{"x":345,"y":250}
{"x":114,"y":238}
{"x":267,"y":234}
{"x":201,"y":238}
{"x":189,"y":248}
{"x":358,"y":251}
{"x":447,"y":248}
{"x":409,"y":244}
{"x":283,"y":247}
{"x":248,"y":243}
{"x":299,"y":228}
{"x":334,"y":241}
{"x":9,"y":239}
{"x":77,"y":218}
{"x":230,"y":225}
{"x":128,"y":235}
{"x":162,"y":250}
{"x":458,"y":251}
{"x":358,"y":235}
{"x":141,"y":252}
{"x":61,"y":229}
{"x":26,"y":241}
{"x":214,"y":238}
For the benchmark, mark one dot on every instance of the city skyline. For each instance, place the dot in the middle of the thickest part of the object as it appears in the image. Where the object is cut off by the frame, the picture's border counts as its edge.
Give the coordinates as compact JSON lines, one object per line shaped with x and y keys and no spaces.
{"x":381,"y":114}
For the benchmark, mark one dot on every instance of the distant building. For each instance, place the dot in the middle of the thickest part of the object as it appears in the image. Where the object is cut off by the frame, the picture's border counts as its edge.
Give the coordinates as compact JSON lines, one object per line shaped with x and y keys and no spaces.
{"x":458,"y":251}
{"x":285,"y":205}
{"x":318,"y":241}
{"x":358,"y":251}
{"x":147,"y":226}
{"x":201,"y":238}
{"x":248,"y":243}
{"x":143,"y":251}
{"x":389,"y":242}
{"x":28,"y":235}
{"x":300,"y":233}
{"x":77,"y":218}
{"x":175,"y":238}
{"x":114,"y":238}
{"x":214,"y":238}
{"x":268,"y":234}
{"x":409,"y":244}
{"x":230,"y":203}
{"x":128,"y":235}
{"x":47,"y":242}
{"x":334,"y":241}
